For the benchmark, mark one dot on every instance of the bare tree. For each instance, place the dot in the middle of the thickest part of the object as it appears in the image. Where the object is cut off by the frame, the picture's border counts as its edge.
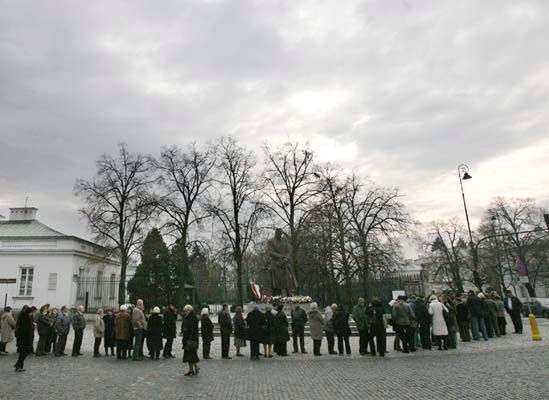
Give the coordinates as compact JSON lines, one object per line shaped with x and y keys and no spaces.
{"x":290,"y":185}
{"x":184,"y":179}
{"x":237,"y":208}
{"x":117,"y":202}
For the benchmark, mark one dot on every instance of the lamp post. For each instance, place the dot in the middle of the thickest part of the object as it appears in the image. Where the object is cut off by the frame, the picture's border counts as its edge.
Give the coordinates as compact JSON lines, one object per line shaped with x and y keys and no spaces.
{"x":463,"y":174}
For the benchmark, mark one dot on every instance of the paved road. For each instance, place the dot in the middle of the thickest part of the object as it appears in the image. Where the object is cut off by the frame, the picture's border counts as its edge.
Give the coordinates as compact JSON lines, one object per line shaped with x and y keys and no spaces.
{"x":513,"y":367}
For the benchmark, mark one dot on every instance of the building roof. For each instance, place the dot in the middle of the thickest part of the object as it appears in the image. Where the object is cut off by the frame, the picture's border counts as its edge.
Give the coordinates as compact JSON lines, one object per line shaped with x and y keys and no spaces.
{"x":27,"y":228}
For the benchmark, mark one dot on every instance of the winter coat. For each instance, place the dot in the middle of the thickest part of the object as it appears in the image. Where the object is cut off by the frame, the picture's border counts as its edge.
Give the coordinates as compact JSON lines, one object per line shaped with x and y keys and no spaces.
{"x":239,"y":327}
{"x":7,"y":325}
{"x":78,"y":322}
{"x":402,"y":314}
{"x":24,"y":331}
{"x":255,"y":321}
{"x":98,"y":327}
{"x":490,"y":307}
{"x":500,"y":308}
{"x":138,"y":319}
{"x":267,"y":333}
{"x":281,"y":333}
{"x":110,"y":338}
{"x":225,"y":322}
{"x":43,"y":324}
{"x":475,"y":307}
{"x":422,"y":313}
{"x":516,"y":305}
{"x":122,"y":326}
{"x":299,"y":318}
{"x":341,"y":323}
{"x":189,"y":327}
{"x":169,"y":327}
{"x":316,"y":324}
{"x":360,"y":317}
{"x":206,"y":329}
{"x":62,"y":324}
{"x":436,"y":309}
{"x":375,"y":313}
{"x":154,"y":333}
{"x":462,"y":312}
{"x":328,"y":323}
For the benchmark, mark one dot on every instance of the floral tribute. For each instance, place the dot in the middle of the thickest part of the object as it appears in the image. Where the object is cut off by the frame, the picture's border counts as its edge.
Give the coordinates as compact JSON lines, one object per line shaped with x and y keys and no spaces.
{"x":286,"y":300}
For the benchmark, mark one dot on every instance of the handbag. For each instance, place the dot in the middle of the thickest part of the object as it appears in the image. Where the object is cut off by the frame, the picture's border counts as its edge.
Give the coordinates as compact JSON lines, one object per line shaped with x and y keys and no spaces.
{"x":191,"y":346}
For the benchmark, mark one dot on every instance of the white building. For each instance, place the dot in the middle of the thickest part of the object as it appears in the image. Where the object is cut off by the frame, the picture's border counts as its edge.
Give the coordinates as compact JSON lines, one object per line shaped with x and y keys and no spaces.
{"x":39,"y":265}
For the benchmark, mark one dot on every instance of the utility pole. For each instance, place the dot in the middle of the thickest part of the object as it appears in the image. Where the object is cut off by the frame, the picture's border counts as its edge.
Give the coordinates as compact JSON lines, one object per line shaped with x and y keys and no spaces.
{"x":546,"y":217}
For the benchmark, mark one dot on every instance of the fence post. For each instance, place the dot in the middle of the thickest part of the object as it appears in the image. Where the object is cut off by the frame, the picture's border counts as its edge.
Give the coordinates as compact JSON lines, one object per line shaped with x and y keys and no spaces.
{"x":86,"y":302}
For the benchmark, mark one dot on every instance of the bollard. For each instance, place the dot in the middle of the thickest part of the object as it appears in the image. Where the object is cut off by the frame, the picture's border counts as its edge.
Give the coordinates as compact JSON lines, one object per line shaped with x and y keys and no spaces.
{"x":534,"y":325}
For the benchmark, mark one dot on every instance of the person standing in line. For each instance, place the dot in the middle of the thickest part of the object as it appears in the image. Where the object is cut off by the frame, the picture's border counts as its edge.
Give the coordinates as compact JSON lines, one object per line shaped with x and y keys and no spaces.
{"x":256,"y":322}
{"x":450,"y":318}
{"x":206,"y":332}
{"x":110,"y":338}
{"x":281,"y":334}
{"x":476,"y":310}
{"x":154,"y":334}
{"x":375,"y":313}
{"x":316,"y":325}
{"x":189,"y":328}
{"x":424,"y":323}
{"x":43,"y":325}
{"x":490,"y":318}
{"x":51,"y":339}
{"x":98,"y":332}
{"x":7,"y":325}
{"x":463,"y":318}
{"x":403,"y":316}
{"x":299,"y":319}
{"x":500,"y":313}
{"x":122,"y":328}
{"x":78,"y":325}
{"x":267,"y":333}
{"x":362,"y":325}
{"x":139,"y":324}
{"x":226,"y":328}
{"x":239,"y":331}
{"x":24,"y":335}
{"x":342,"y":329}
{"x":440,"y":329}
{"x":170,"y":331}
{"x":329,"y":327}
{"x":513,"y":307}
{"x":62,"y":328}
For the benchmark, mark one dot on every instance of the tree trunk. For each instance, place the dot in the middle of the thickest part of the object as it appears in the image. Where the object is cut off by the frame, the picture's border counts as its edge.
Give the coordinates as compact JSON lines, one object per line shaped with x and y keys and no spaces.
{"x":122,"y":282}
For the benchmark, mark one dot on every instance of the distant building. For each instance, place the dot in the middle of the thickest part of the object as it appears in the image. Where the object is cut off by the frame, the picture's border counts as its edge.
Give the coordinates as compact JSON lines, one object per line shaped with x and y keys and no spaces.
{"x":40,"y":265}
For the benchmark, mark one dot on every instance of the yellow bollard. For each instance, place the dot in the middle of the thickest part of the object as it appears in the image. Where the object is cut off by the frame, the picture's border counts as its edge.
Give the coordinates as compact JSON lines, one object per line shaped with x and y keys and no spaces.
{"x":535,"y":330}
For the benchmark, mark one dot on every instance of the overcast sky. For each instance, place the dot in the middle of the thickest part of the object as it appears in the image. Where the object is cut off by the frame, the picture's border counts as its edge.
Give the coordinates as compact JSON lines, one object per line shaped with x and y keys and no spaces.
{"x":402,"y":91}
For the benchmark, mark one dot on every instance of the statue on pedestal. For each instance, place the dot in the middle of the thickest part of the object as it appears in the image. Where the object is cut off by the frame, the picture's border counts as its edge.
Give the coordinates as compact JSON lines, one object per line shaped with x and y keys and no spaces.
{"x":283,"y":281}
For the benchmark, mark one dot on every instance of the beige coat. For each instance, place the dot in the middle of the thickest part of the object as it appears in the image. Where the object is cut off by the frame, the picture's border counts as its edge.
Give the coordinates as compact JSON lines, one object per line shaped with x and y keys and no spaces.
{"x":99,"y":327}
{"x":8,"y":325}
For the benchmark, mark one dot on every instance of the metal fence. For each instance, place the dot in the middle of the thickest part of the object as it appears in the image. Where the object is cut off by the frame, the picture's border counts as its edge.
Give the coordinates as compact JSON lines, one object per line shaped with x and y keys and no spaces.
{"x":95,"y":293}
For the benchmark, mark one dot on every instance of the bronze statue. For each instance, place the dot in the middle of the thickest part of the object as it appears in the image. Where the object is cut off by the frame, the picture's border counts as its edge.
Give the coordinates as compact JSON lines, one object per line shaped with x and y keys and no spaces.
{"x":283,"y":281}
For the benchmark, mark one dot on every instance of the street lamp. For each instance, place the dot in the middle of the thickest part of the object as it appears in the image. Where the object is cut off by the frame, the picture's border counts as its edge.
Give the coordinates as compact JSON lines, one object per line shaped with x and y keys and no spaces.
{"x":463,"y":174}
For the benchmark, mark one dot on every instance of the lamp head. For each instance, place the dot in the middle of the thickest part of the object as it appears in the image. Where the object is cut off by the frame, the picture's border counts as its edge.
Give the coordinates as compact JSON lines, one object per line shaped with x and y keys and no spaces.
{"x":466,"y":176}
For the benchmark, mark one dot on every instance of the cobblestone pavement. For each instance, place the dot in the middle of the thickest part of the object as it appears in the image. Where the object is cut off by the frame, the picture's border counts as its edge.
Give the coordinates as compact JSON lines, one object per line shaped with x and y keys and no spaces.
{"x":511,"y":367}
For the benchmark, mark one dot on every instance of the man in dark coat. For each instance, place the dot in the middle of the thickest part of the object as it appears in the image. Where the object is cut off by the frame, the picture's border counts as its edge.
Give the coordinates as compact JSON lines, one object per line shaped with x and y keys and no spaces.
{"x":281,"y":335}
{"x":255,"y":321}
{"x":169,"y":331}
{"x":78,"y":325}
{"x":375,"y":313}
{"x":24,"y":335}
{"x":476,"y":310}
{"x":226,"y":328}
{"x":463,"y":319}
{"x":403,"y":316}
{"x":43,"y":324}
{"x":62,"y":327}
{"x":513,"y":307}
{"x":110,"y":338}
{"x":206,"y":332}
{"x":342,"y":329}
{"x":424,"y":321}
{"x":299,"y":319}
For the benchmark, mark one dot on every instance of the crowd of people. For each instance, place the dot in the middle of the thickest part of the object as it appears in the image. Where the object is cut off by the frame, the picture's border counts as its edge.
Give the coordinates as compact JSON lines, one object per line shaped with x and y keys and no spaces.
{"x":418,"y":322}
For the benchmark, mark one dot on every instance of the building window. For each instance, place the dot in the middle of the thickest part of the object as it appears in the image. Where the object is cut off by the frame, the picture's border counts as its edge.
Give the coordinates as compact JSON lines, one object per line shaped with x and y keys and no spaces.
{"x":52,"y":281}
{"x":113,"y":286}
{"x":25,"y":281}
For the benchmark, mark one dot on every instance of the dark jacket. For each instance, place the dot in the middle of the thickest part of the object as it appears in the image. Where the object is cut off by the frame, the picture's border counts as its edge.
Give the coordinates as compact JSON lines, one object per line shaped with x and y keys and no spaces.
{"x":154,"y":326}
{"x":462,"y":312}
{"x":375,"y":313}
{"x":62,"y":324}
{"x":341,"y":323}
{"x":239,"y":327}
{"x":281,"y":333}
{"x":299,"y":318}
{"x":515,"y":304}
{"x":169,"y":327}
{"x":23,"y":331}
{"x":422,"y":313}
{"x":475,"y":307}
{"x":109,"y":330}
{"x":122,"y":327}
{"x":255,"y":321}
{"x":78,"y":322}
{"x":402,"y":314}
{"x":43,"y":324}
{"x":225,"y":323}
{"x":189,"y":328}
{"x":267,"y":333}
{"x":206,"y":329}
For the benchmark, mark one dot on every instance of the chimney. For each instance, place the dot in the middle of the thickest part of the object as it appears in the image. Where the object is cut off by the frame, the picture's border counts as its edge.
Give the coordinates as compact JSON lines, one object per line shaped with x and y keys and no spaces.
{"x":23,"y":213}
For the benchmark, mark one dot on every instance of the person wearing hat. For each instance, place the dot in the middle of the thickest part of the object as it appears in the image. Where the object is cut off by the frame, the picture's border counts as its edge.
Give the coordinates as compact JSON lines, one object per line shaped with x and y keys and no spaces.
{"x":281,"y":335}
{"x":225,"y":328}
{"x":154,"y":334}
{"x":98,"y":332}
{"x":109,"y":338}
{"x":206,"y":332}
{"x":169,"y":330}
{"x":316,"y":325}
{"x":256,"y":322}
{"x":267,"y":333}
{"x":122,"y":331}
{"x":189,"y":328}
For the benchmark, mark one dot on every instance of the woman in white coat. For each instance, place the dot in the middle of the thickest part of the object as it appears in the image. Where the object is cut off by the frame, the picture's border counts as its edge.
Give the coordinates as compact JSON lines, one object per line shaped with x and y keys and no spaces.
{"x":440,"y":331}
